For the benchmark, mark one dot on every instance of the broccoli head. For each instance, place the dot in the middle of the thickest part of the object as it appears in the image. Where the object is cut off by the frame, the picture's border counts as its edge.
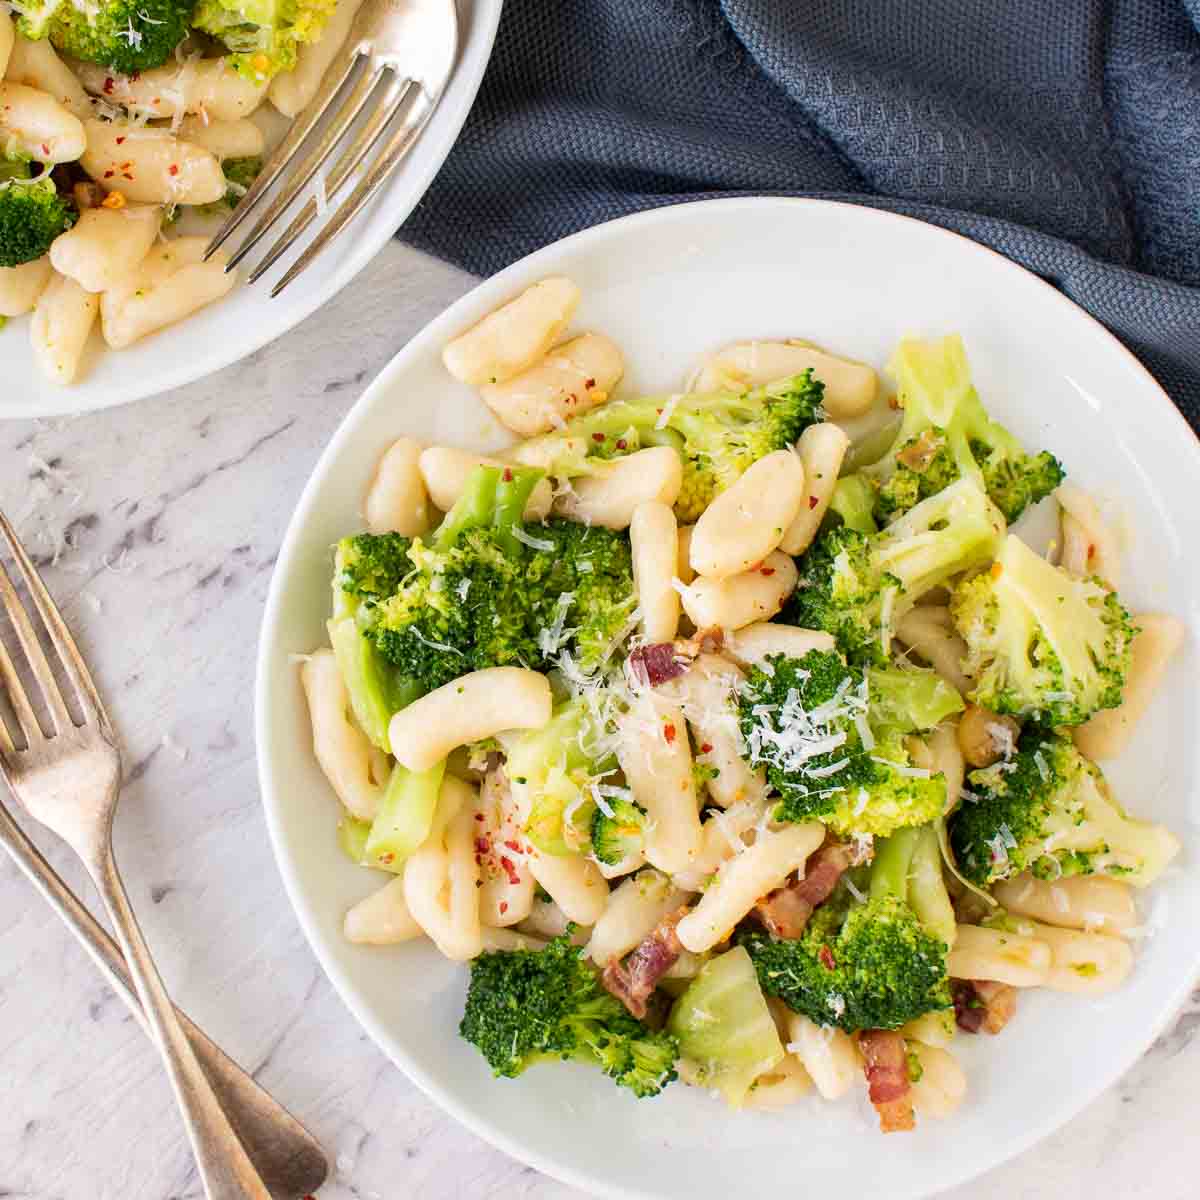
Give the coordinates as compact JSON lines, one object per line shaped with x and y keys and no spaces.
{"x":1042,"y":643}
{"x":1048,"y":810}
{"x":265,"y":36}
{"x":32,"y":213}
{"x":526,"y":1006}
{"x":853,"y":503}
{"x":125,"y":35}
{"x":619,"y":833}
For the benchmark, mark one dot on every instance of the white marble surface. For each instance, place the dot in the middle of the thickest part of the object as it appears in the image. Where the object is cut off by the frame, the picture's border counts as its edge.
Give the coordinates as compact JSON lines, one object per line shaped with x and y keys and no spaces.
{"x":175,"y":509}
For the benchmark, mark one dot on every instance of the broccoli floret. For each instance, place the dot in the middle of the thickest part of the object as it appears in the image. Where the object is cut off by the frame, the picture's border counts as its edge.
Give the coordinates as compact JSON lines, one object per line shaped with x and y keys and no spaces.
{"x":526,"y":1006}
{"x":853,"y":504}
{"x":856,"y":586}
{"x":32,"y":213}
{"x":1048,"y":810}
{"x":946,"y":434}
{"x":872,"y":965}
{"x":369,"y":567}
{"x":264,"y":35}
{"x":831,"y":753}
{"x":621,"y":835}
{"x":124,"y":35}
{"x":239,"y":174}
{"x":718,"y":436}
{"x":1042,"y":643}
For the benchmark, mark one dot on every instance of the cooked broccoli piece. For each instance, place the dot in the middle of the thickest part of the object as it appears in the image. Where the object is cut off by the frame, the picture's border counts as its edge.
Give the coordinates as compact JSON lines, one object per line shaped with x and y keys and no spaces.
{"x":1048,"y":810}
{"x":1042,"y":643}
{"x":946,"y":434}
{"x":853,"y":503}
{"x":239,"y":173}
{"x":717,"y":435}
{"x":832,"y":753}
{"x":32,"y":213}
{"x":264,"y":35}
{"x":124,"y":35}
{"x":872,"y":965}
{"x":405,"y":815}
{"x":620,"y":836}
{"x":855,"y":586}
{"x":527,"y":1006}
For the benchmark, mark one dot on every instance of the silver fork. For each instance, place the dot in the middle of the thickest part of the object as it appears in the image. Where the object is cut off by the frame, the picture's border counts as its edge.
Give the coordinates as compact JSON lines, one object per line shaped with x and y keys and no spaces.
{"x":69,"y":780}
{"x":398,"y":55}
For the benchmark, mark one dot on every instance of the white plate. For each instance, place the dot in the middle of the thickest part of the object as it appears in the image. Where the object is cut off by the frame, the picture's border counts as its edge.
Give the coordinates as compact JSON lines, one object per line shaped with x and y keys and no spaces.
{"x":248,"y":319}
{"x":669,"y":285}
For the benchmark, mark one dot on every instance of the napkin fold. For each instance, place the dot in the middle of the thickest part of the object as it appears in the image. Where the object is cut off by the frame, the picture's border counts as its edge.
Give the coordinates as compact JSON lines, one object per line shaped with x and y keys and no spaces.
{"x":1064,"y":134}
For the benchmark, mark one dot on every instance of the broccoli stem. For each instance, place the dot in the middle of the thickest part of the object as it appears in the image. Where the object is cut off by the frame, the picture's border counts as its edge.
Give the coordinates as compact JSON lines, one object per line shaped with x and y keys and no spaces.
{"x":513,"y":490}
{"x":854,"y":501}
{"x":405,"y":815}
{"x":893,"y":858}
{"x":927,"y":895}
{"x":472,"y":510}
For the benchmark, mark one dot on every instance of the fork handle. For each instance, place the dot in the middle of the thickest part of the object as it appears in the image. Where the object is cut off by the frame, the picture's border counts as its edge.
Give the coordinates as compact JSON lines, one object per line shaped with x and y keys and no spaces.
{"x":224,"y":1166}
{"x":287,"y":1156}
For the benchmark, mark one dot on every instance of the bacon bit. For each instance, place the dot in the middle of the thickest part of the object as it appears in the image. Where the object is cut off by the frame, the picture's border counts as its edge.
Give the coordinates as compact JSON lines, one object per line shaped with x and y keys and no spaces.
{"x":508,"y":475}
{"x":121,"y":140}
{"x":591,"y":383}
{"x":597,"y":437}
{"x":768,"y":571}
{"x":706,"y":747}
{"x":669,"y":733}
{"x":113,"y":200}
{"x":813,"y":502}
{"x":108,"y":85}
{"x":922,"y":452}
{"x":173,"y":169}
{"x":504,"y":906}
{"x":514,"y":876}
{"x":885,"y":1064}
{"x":996,"y":570}
{"x":825,"y":957}
{"x":704,"y":641}
{"x":656,"y":663}
{"x":634,"y":981}
{"x":982,"y":1004}
{"x":135,"y":76}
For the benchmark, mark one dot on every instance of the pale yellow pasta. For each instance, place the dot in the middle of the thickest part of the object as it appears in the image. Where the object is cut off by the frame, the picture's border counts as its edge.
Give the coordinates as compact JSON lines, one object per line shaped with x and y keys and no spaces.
{"x":721,"y":836}
{"x":1089,"y":546}
{"x":445,"y":471}
{"x":574,"y":884}
{"x":1086,"y":964}
{"x":171,"y":283}
{"x":928,"y":631}
{"x":207,"y":86}
{"x":654,"y":544}
{"x":382,"y":919}
{"x":942,"y":1086}
{"x":1108,"y":733}
{"x":1091,"y":902}
{"x":7,"y":36}
{"x":829,"y":1055}
{"x":751,"y":644}
{"x":938,"y":751}
{"x":742,"y":599}
{"x":106,"y":244}
{"x":782,"y":1086}
{"x":747,"y":521}
{"x":821,"y":449}
{"x":507,"y":883}
{"x":226,"y":139}
{"x":999,"y":955}
{"x":514,"y":336}
{"x":654,"y":754}
{"x":475,"y":706}
{"x":508,"y":940}
{"x":62,"y":322}
{"x":634,"y":910}
{"x":686,"y":966}
{"x":150,"y":166}
{"x":706,"y":693}
{"x":396,"y":500}
{"x":610,"y":497}
{"x":290,"y":91}
{"x":341,"y":748}
{"x":546,"y":920}
{"x":21,"y":286}
{"x":683,"y":568}
{"x":37,"y":65}
{"x":741,"y":880}
{"x":544,"y":452}
{"x":571,"y":379}
{"x":932,"y":1028}
{"x":34,"y":123}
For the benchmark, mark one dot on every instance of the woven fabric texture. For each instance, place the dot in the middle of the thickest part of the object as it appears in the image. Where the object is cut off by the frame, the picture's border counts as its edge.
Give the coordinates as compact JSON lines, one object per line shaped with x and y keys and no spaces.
{"x":1064,"y":134}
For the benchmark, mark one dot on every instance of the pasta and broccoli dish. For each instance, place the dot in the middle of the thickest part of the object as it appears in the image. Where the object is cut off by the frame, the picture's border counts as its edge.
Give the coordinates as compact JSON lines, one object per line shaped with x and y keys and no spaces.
{"x":737,"y":737}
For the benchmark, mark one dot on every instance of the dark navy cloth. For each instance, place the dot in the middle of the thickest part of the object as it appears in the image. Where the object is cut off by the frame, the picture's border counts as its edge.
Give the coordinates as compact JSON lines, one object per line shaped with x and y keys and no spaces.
{"x":1063,"y":133}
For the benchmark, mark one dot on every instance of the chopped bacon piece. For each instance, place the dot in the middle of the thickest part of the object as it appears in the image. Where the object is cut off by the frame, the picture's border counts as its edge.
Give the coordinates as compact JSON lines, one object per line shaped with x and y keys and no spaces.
{"x":786,"y":910}
{"x":656,"y":663}
{"x":826,"y":959}
{"x":634,"y":981}
{"x":982,"y":1004}
{"x":703,"y":641}
{"x":921,"y":451}
{"x":885,"y":1063}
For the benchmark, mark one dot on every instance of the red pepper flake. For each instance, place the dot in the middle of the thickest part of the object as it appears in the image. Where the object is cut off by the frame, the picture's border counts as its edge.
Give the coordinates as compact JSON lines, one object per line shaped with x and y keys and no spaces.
{"x":825,"y":957}
{"x":622,"y":444}
{"x":507,"y":476}
{"x":669,"y":733}
{"x":479,"y":860}
{"x":121,"y":140}
{"x":597,"y":437}
{"x":482,"y":845}
{"x":706,"y":747}
{"x":513,"y":844}
{"x":504,"y":906}
{"x":126,"y":165}
{"x":109,"y":174}
{"x":768,"y":571}
{"x":45,"y":150}
{"x":813,"y":502}
{"x":514,"y":876}
{"x":388,"y":857}
{"x":126,"y":175}
{"x":479,"y":816}
{"x":589,"y":383}
{"x":173,"y":169}
{"x":108,"y":85}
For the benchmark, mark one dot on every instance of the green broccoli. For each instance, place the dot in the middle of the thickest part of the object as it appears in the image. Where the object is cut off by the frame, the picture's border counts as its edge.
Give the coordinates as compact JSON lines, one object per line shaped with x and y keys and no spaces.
{"x":239,"y":174}
{"x":945,"y":435}
{"x":1042,"y":643}
{"x":853,"y":504}
{"x":867,"y":965}
{"x":619,"y":833}
{"x":264,"y":35}
{"x":856,"y":586}
{"x":1049,"y":811}
{"x":32,"y":213}
{"x":718,"y":436}
{"x":832,"y":741}
{"x":125,"y":35}
{"x":528,"y":1006}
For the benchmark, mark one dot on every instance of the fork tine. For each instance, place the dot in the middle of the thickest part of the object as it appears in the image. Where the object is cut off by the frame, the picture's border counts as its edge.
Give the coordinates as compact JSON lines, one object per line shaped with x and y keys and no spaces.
{"x":23,"y":710}
{"x":398,"y":146}
{"x":34,"y":654}
{"x":298,"y":179}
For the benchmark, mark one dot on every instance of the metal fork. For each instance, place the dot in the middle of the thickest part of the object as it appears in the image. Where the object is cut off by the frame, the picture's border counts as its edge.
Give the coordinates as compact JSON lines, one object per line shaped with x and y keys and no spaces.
{"x":398,"y":55}
{"x":69,"y":780}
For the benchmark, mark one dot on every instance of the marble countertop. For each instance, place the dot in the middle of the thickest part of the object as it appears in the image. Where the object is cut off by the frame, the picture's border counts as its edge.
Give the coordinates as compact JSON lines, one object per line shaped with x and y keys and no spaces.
{"x":173,"y":511}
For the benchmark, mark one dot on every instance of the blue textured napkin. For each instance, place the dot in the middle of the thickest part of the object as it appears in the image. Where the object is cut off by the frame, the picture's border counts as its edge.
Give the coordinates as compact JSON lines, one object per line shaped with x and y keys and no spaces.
{"x":1063,"y":133}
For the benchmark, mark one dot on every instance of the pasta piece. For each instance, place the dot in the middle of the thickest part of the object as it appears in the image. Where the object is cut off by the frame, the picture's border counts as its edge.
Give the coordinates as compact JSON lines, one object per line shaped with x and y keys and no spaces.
{"x":7,"y":37}
{"x":508,"y":940}
{"x":37,"y":65}
{"x":609,"y":499}
{"x":753,"y":643}
{"x":574,"y":884}
{"x":821,"y":448}
{"x":999,"y":955}
{"x":226,"y":139}
{"x":932,"y":1028}
{"x":633,"y":912}
{"x":683,"y":568}
{"x":382,"y":919}
{"x":985,"y":737}
{"x":172,"y":283}
{"x":780,"y":1087}
{"x":106,"y":244}
{"x":507,"y":883}
{"x":1094,"y":903}
{"x":1086,"y":964}
{"x":747,"y":521}
{"x":1107,"y":733}
{"x":741,"y":599}
{"x":341,"y":748}
{"x":1089,"y":547}
{"x":571,"y":379}
{"x":468,"y":709}
{"x":741,"y":880}
{"x":938,"y":751}
{"x":515,"y":336}
{"x":396,"y":499}
{"x":654,"y":542}
{"x":62,"y":322}
{"x":721,"y":837}
{"x":445,"y":471}
{"x":290,"y":91}
{"x":829,"y":1055}
{"x":150,"y":166}
{"x":941,"y":1086}
{"x":546,"y":920}
{"x":929,"y":632}
{"x":208,"y":86}
{"x":21,"y":286}
{"x":35,"y":124}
